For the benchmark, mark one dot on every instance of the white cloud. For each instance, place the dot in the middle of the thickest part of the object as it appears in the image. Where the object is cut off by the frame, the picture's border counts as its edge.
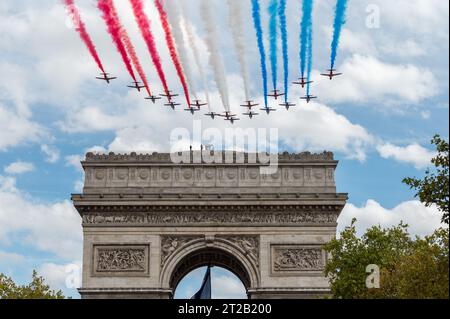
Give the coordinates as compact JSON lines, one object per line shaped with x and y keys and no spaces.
{"x":65,"y":277}
{"x":74,"y":161}
{"x":53,"y":228}
{"x":16,"y":129}
{"x":422,"y":220}
{"x":19,"y":168}
{"x":78,"y":186}
{"x":51,"y":152}
{"x":426,"y":115}
{"x":368,"y":79}
{"x":408,"y":48}
{"x":7,"y":258}
{"x":227,"y":287}
{"x":413,"y":154}
{"x":312,"y":127}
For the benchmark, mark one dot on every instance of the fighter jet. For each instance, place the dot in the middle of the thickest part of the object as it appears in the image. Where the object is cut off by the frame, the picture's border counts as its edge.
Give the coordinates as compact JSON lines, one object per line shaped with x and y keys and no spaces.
{"x":249,"y":104}
{"x":250,"y":114}
{"x":168,"y":95}
{"x":308,"y":98}
{"x":172,"y":105}
{"x":287,"y":105}
{"x":303,"y":82}
{"x":198,"y":104}
{"x":153,"y":98}
{"x":227,"y":115}
{"x":212,"y":115}
{"x":192,"y":110}
{"x":232,"y":119}
{"x":136,"y":85}
{"x":268,"y":110}
{"x":106,"y":77}
{"x":275,"y":94}
{"x":331,"y":74}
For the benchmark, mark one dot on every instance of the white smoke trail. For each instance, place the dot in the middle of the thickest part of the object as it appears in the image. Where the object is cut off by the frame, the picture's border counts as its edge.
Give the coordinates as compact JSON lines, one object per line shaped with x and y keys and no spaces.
{"x":186,"y":25}
{"x":215,"y":60}
{"x":174,"y":20}
{"x":237,"y":30}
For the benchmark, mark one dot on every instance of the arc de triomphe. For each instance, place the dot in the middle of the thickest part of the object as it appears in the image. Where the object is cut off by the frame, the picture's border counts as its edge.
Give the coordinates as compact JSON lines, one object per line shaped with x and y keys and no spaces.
{"x":148,"y":222}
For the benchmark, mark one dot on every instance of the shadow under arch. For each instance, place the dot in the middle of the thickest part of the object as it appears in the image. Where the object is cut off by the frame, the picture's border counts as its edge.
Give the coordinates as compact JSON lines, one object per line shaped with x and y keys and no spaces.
{"x":199,"y":254}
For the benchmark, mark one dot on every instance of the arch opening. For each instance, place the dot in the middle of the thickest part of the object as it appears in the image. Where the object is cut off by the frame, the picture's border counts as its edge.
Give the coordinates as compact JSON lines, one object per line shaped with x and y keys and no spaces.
{"x":209,"y":256}
{"x":224,"y":284}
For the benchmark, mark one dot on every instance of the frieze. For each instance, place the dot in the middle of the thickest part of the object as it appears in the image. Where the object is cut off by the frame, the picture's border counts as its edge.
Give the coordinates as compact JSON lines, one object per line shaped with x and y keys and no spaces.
{"x":241,"y":218}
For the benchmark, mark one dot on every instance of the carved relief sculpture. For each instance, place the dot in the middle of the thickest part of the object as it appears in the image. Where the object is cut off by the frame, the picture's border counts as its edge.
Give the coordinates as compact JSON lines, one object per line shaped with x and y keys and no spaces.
{"x":121,"y":259}
{"x":297,"y":259}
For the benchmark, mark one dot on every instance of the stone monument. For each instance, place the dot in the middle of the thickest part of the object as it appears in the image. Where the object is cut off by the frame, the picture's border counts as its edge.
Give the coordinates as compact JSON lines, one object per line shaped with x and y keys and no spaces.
{"x":148,"y":222}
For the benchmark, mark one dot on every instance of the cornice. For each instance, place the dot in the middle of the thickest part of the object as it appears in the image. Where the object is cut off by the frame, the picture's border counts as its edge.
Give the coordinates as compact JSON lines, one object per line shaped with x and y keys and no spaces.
{"x":165,"y":158}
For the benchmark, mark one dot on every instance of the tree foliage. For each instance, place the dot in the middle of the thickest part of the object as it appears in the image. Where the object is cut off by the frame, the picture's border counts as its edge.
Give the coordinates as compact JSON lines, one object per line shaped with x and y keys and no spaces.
{"x":36,"y":289}
{"x":433,"y":189}
{"x":409,"y":268}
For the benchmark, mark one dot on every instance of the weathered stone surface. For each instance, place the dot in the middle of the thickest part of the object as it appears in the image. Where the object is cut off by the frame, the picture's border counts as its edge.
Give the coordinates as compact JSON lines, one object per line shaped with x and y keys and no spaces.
{"x":148,"y":222}
{"x":297,"y":259}
{"x":121,"y":260}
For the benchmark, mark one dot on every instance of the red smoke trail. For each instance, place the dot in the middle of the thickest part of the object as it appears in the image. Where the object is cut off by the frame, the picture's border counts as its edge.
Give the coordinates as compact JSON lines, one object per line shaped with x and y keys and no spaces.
{"x":171,"y":46}
{"x":130,"y":48}
{"x":144,"y":25}
{"x":81,"y":29}
{"x":107,"y":8}
{"x":135,"y":60}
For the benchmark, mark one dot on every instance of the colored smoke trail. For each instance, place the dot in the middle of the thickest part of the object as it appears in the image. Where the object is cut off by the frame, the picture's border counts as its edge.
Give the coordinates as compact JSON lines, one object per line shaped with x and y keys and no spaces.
{"x":310,"y":55}
{"x":284,"y":44}
{"x":339,"y":21}
{"x":306,"y":25}
{"x":130,"y":48}
{"x":137,"y":65}
{"x":146,"y":31}
{"x":215,"y":59}
{"x":259,"y":34}
{"x":81,"y":29}
{"x":237,"y":30}
{"x":273,"y":36}
{"x":172,"y":49}
{"x":191,"y":39}
{"x":175,"y":22}
{"x":106,"y":7}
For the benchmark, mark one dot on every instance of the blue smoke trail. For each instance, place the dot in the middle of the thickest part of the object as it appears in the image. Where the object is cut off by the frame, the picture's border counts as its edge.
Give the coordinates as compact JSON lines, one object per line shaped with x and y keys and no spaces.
{"x":310,"y":47}
{"x":306,"y":25}
{"x":284,"y":43}
{"x":273,"y":36}
{"x":262,"y":52}
{"x":339,"y":21}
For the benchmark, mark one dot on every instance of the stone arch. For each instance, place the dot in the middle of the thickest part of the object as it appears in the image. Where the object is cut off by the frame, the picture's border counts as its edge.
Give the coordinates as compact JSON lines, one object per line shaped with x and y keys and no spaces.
{"x":199,"y":253}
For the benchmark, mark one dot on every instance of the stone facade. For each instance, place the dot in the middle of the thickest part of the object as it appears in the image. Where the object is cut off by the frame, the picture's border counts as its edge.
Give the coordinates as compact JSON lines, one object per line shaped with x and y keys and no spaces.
{"x":148,"y":222}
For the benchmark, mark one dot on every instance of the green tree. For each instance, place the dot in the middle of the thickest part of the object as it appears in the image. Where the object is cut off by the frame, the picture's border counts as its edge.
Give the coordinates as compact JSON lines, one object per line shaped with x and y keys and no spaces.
{"x":352,"y":254}
{"x":36,"y":289}
{"x":433,"y":189}
{"x":413,"y":269}
{"x":422,"y":274}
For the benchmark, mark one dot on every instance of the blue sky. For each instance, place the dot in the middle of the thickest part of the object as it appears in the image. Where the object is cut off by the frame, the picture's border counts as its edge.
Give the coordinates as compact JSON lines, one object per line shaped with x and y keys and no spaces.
{"x":378,"y":118}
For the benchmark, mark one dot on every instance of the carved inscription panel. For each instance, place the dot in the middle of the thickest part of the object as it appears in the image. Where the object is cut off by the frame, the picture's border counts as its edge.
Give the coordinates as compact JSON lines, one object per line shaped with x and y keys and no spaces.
{"x":121,"y":260}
